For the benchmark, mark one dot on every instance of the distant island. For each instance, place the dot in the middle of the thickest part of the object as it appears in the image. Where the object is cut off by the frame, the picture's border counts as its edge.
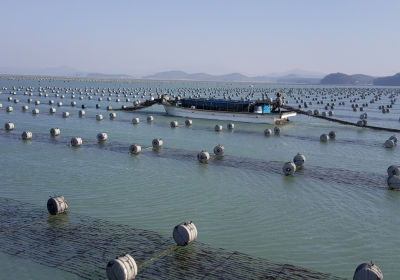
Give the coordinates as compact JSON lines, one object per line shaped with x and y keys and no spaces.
{"x":331,"y":79}
{"x":344,"y":79}
{"x":233,"y":77}
{"x":388,"y":81}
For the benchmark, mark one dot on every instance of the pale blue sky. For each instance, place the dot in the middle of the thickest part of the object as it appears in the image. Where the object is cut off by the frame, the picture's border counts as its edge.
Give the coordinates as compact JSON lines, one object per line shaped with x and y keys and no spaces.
{"x":250,"y":37}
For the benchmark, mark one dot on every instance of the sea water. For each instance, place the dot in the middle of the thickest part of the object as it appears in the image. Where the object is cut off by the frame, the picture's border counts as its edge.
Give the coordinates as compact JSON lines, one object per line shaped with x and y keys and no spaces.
{"x":331,"y":216}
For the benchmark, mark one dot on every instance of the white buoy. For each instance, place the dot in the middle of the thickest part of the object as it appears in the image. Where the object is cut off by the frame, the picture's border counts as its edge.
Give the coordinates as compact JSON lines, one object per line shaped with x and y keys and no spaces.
{"x":299,"y":159}
{"x":218,"y":127}
{"x":368,"y":271}
{"x":174,"y":124}
{"x":324,"y":137}
{"x":25,"y":108}
{"x":158,"y":142}
{"x":9,"y":98}
{"x":219,"y":150}
{"x":113,"y":115}
{"x":99,"y":99}
{"x":332,"y":135}
{"x":150,"y":118}
{"x":135,"y":149}
{"x":73,"y":103}
{"x":184,"y":233}
{"x":65,"y":114}
{"x":99,"y":117}
{"x":35,"y":111}
{"x":55,"y":131}
{"x":394,"y":182}
{"x":135,"y":120}
{"x":51,"y":102}
{"x":267,"y":132}
{"x":393,"y":170}
{"x":16,"y":101}
{"x":57,"y":205}
{"x":37,"y":102}
{"x":122,"y":268}
{"x":389,"y":144}
{"x":108,"y":108}
{"x":188,"y":122}
{"x":9,"y":126}
{"x":81,"y":113}
{"x":26,"y":135}
{"x":102,"y":136}
{"x":393,"y":138}
{"x":203,"y":157}
{"x":289,"y":168}
{"x":230,"y":126}
{"x":59,"y":104}
{"x":310,"y":112}
{"x":76,"y":141}
{"x":277,"y":130}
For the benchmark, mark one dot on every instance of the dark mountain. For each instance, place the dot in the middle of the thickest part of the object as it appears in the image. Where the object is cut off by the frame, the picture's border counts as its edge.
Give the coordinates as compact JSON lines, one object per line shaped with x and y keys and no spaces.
{"x":361,"y":78}
{"x":388,"y":81}
{"x":338,"y":79}
{"x":344,"y":79}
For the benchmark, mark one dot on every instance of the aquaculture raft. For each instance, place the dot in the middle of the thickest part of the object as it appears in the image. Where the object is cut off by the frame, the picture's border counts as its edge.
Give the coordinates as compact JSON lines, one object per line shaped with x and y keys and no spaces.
{"x":83,"y":246}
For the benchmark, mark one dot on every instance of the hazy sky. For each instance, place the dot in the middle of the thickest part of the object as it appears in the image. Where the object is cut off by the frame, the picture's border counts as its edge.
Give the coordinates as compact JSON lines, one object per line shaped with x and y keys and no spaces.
{"x":218,"y":37}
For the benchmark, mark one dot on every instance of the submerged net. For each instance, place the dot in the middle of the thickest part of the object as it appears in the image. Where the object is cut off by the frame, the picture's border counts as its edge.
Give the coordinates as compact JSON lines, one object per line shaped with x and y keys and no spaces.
{"x":321,"y":173}
{"x":83,"y":246}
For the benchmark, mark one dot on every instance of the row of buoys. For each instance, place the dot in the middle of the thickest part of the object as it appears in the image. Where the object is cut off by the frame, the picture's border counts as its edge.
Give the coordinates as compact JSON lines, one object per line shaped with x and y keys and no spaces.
{"x":326,"y":137}
{"x":289,"y":168}
{"x":204,"y":156}
{"x":268,"y":132}
{"x":124,"y":267}
{"x":136,"y":148}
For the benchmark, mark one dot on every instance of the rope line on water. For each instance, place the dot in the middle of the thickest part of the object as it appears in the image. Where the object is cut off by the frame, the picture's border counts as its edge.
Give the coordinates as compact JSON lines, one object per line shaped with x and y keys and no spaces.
{"x":88,"y":142}
{"x":146,"y":262}
{"x":28,"y":224}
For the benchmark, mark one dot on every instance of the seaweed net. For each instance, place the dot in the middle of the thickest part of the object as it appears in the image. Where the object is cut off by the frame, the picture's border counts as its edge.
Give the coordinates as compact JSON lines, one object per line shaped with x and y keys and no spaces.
{"x":83,"y":246}
{"x":321,"y":173}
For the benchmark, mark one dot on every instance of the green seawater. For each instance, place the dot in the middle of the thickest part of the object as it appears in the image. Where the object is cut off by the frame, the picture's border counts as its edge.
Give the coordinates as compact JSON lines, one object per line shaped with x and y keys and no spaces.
{"x":331,"y":216}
